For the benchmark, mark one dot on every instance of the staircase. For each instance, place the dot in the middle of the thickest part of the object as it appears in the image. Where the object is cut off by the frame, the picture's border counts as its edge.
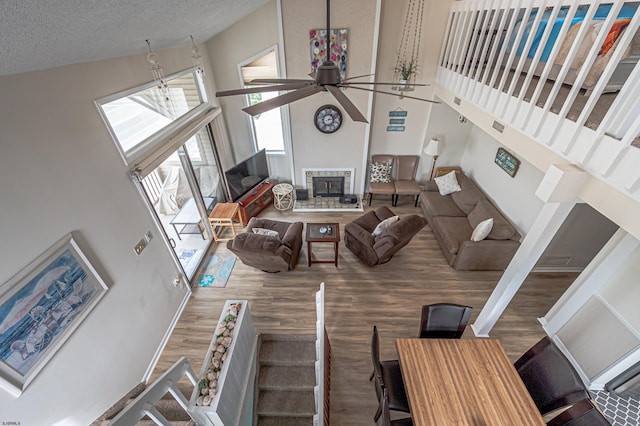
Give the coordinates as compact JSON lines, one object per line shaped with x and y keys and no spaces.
{"x":286,"y":377}
{"x":167,"y":406}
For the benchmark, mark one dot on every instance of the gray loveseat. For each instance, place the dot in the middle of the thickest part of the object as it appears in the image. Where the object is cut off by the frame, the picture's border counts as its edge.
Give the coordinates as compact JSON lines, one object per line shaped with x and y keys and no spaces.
{"x":453,"y":218}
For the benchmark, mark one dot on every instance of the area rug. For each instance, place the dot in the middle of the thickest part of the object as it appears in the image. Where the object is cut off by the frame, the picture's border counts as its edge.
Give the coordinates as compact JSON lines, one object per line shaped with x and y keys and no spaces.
{"x":218,"y":269}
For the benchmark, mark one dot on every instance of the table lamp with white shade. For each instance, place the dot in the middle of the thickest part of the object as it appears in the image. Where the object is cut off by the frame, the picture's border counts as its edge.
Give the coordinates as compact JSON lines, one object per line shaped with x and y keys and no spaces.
{"x":433,"y":148}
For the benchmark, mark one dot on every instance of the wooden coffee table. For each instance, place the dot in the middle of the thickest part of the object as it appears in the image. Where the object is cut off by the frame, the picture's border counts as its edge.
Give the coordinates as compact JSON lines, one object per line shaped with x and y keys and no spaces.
{"x":323,"y":233}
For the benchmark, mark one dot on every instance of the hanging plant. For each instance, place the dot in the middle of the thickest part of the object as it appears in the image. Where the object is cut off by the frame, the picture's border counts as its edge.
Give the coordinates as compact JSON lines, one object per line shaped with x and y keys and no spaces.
{"x":406,"y":68}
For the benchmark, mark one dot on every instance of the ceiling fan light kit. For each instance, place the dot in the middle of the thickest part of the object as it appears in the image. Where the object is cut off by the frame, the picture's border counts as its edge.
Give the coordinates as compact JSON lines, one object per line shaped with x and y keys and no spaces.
{"x":326,"y":79}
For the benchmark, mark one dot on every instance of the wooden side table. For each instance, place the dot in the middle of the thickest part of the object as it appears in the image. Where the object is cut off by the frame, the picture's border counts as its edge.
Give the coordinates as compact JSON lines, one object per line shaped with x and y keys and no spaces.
{"x":323,"y":233}
{"x":223,"y":215}
{"x":283,"y":196}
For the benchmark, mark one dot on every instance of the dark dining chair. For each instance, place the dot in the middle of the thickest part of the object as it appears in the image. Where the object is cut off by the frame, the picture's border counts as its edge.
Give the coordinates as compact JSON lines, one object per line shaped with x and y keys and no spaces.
{"x":549,"y":377}
{"x":444,"y":320}
{"x":387,"y":376}
{"x":582,"y":413}
{"x":386,"y":415}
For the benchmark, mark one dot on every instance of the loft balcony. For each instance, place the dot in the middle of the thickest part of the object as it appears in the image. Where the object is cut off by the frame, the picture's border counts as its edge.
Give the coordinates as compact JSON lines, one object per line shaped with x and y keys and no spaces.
{"x":558,"y":82}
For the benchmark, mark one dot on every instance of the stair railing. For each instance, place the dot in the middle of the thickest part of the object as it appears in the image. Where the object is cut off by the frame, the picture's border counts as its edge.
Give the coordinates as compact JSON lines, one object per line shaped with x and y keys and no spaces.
{"x":144,"y":404}
{"x":322,"y":365}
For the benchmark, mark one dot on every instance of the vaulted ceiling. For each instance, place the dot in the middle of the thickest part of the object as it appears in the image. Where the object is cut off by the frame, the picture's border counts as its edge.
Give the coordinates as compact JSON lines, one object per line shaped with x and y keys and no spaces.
{"x":36,"y":34}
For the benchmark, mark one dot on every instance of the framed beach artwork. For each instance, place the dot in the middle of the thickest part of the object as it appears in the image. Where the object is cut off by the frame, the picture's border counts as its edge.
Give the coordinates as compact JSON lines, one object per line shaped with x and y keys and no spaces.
{"x":40,"y":307}
{"x":338,"y":52}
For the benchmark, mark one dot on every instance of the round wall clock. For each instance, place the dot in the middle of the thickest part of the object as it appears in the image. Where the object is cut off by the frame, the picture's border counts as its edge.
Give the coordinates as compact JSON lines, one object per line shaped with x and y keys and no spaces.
{"x":328,"y":119}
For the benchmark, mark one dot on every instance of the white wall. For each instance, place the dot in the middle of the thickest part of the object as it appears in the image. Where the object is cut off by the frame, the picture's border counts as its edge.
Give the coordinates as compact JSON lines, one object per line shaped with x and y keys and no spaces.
{"x":246,"y":38}
{"x":418,"y":112}
{"x":346,"y":147}
{"x":453,"y":135}
{"x":514,"y":196}
{"x":61,"y":172}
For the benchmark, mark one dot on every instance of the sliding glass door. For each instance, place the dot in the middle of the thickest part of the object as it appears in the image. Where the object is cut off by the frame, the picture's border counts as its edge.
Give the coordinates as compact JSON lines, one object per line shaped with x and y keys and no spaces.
{"x":164,"y":138}
{"x":183,"y":190}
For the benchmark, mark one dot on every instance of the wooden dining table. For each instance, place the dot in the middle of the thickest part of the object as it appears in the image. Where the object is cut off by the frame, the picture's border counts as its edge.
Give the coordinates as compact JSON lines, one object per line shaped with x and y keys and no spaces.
{"x":463,"y":382}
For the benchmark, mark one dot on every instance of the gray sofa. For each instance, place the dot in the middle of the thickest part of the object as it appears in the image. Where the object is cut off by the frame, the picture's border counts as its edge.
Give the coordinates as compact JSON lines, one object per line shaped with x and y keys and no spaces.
{"x":454,"y":217}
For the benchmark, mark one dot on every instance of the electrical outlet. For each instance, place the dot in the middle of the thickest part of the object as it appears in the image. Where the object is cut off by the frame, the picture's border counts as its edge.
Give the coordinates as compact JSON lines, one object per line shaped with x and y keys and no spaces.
{"x":139,"y":247}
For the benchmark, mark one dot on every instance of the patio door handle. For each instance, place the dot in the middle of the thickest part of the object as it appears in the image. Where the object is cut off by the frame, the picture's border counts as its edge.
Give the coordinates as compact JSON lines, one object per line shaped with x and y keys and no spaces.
{"x":172,"y":242}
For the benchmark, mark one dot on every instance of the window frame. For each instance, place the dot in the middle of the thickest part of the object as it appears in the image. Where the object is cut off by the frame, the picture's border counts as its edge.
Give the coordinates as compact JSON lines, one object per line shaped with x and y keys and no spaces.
{"x":247,"y":102}
{"x":147,"y":145}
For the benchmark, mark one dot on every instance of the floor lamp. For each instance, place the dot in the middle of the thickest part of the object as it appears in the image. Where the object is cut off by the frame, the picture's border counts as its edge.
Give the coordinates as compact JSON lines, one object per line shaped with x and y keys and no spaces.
{"x":433,"y":149}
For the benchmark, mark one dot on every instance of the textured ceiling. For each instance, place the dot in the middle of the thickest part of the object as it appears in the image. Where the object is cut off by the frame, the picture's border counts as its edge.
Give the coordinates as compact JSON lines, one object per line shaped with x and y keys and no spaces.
{"x":37,"y":34}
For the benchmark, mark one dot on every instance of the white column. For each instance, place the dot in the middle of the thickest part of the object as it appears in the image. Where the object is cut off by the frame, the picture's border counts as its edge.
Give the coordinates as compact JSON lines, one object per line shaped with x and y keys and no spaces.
{"x":557,"y":190}
{"x":544,"y":228}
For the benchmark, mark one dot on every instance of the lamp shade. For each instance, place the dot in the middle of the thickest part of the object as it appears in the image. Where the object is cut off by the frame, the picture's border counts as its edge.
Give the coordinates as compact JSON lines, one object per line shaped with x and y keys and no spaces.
{"x":433,"y":147}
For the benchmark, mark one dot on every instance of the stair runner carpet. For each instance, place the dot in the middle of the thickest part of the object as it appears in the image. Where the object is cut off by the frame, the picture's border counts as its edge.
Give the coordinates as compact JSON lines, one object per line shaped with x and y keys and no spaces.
{"x":286,"y":378}
{"x":167,"y":406}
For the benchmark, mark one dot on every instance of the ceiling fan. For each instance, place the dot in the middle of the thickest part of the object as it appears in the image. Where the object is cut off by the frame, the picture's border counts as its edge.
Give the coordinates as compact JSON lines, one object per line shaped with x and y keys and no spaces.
{"x":327,"y":78}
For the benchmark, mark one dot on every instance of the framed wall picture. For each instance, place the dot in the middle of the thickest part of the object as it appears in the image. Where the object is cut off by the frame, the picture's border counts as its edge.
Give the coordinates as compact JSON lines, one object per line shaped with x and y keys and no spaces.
{"x":507,"y":162}
{"x":40,"y":307}
{"x":337,"y":53}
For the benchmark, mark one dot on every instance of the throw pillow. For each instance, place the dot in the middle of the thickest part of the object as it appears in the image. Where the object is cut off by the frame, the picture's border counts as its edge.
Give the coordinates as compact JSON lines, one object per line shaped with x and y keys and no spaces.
{"x":384,"y":225}
{"x":269,"y":232}
{"x":380,"y":173}
{"x":448,"y":183}
{"x":482,"y":230}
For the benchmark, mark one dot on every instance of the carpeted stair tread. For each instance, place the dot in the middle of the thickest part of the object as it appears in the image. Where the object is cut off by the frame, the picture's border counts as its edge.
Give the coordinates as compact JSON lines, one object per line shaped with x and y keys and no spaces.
{"x":149,"y":422}
{"x":285,"y":421}
{"x":119,"y":405}
{"x":172,"y":410}
{"x":287,"y":352}
{"x":283,"y":377}
{"x":287,"y":337}
{"x":286,"y":403}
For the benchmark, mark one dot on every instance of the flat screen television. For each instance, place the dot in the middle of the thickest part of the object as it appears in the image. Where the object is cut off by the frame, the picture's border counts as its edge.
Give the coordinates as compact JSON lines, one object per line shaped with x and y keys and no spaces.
{"x":244,"y":176}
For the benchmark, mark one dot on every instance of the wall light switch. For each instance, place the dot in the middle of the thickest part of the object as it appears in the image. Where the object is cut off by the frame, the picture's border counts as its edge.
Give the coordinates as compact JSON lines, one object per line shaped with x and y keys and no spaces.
{"x":148,"y":236}
{"x":139,"y":247}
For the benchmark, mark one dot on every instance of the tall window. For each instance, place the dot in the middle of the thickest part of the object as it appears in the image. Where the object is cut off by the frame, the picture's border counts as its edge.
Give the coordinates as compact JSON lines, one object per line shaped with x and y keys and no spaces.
{"x":267,"y":127}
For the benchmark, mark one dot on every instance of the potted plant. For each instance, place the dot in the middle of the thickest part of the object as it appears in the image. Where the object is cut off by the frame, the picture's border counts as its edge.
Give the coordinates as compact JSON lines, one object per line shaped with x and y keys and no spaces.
{"x":405,"y":69}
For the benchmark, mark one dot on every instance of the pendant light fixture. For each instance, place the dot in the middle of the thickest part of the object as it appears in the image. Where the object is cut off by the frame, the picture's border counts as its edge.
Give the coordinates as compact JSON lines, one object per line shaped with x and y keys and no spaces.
{"x":196,"y":58}
{"x":157,"y":71}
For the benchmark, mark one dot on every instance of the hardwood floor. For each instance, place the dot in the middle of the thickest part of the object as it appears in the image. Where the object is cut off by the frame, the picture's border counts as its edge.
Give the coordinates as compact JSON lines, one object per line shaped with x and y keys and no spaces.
{"x":358,"y":297}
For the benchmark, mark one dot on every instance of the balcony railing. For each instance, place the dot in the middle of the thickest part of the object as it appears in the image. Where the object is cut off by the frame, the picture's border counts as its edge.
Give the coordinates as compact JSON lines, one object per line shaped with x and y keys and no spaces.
{"x":564,"y":73}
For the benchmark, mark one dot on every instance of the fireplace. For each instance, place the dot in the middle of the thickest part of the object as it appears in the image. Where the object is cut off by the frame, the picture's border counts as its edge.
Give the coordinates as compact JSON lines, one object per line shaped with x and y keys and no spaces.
{"x":343,"y":174}
{"x":328,"y":186}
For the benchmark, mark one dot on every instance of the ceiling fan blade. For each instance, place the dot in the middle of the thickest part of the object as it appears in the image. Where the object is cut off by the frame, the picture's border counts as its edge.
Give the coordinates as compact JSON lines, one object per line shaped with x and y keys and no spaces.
{"x":279,"y":80}
{"x":348,"y":106}
{"x":380,"y":83}
{"x":250,"y":90}
{"x":358,"y":76}
{"x":393,"y":94}
{"x":278,"y":101}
